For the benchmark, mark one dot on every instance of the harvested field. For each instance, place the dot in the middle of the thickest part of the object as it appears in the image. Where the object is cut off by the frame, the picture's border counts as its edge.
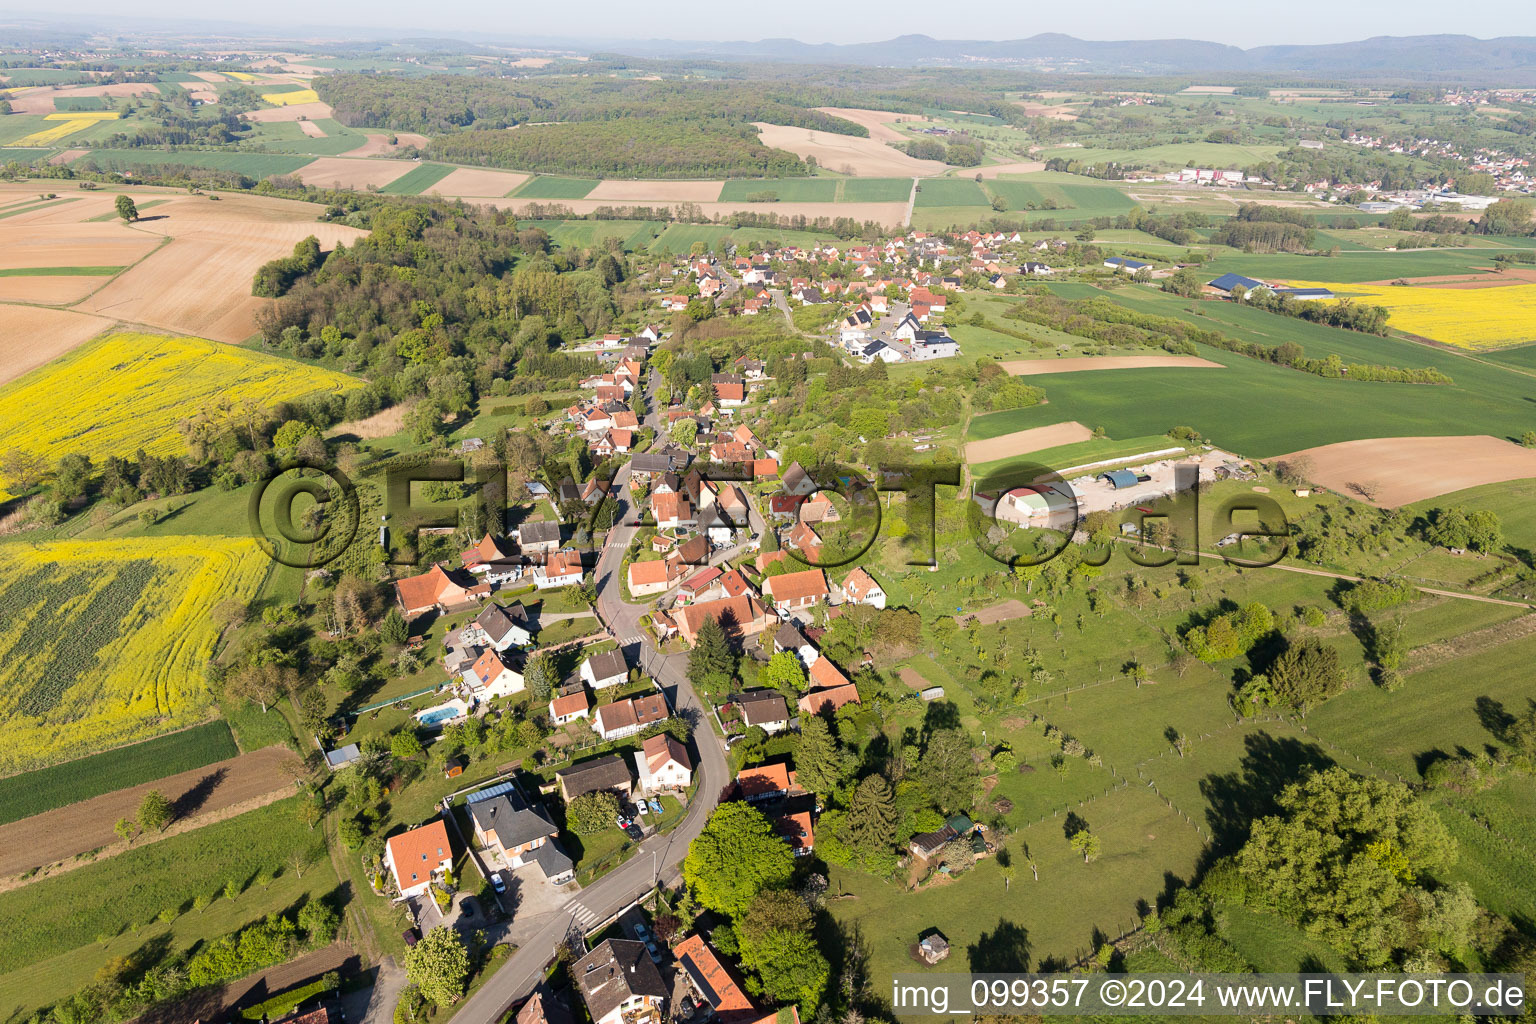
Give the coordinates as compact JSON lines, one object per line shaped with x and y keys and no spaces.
{"x":378,"y":145}
{"x":911,"y":679}
{"x":58,"y":159}
{"x":1484,"y":278}
{"x":52,"y":290}
{"x":198,"y":795}
{"x":203,"y":95}
{"x":1022,"y":442}
{"x":847,"y":154}
{"x":475,"y":183}
{"x":200,"y":283}
{"x":1021,"y":167}
{"x":1054,"y":112}
{"x":292,"y":112}
{"x":346,"y":172}
{"x":33,"y":335}
{"x":1393,"y":471}
{"x":42,"y":100}
{"x":877,"y":121}
{"x":209,"y":76}
{"x":384,"y":423}
{"x":1031,"y":367}
{"x":659,"y":191}
{"x":991,"y":616}
{"x":311,"y":129}
{"x":26,"y":243}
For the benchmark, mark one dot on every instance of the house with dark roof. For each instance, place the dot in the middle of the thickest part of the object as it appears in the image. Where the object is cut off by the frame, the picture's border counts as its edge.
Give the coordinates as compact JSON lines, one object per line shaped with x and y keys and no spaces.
{"x":620,"y":984}
{"x":602,"y":773}
{"x":501,"y":627}
{"x":1125,"y":264}
{"x":544,"y":1007}
{"x":509,"y":825}
{"x":765,"y":709}
{"x":789,"y":638}
{"x":1234,"y":286}
{"x":539,"y":538}
{"x":604,"y":670}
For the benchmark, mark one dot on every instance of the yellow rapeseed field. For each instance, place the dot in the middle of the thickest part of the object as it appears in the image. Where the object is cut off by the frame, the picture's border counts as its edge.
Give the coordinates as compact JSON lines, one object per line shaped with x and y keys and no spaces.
{"x":1472,"y":318}
{"x":241,"y":76}
{"x":68,"y":123}
{"x":123,"y":392}
{"x":288,"y":99}
{"x":105,"y":642}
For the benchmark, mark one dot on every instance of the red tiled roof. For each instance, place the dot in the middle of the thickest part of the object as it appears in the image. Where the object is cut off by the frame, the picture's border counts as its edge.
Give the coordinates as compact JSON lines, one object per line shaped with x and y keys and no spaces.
{"x":570,"y":704}
{"x":660,"y":749}
{"x":763,"y":778}
{"x":823,"y":674}
{"x":794,"y":587}
{"x":416,"y":853}
{"x":796,"y":828}
{"x":648,"y":573}
{"x":712,"y":978}
{"x":835,"y":696}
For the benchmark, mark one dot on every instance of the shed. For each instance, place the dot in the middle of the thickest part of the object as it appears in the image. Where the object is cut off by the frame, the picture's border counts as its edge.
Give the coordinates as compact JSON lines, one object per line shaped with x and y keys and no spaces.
{"x":1119,"y":478}
{"x":342,"y":756}
{"x":932,"y":693}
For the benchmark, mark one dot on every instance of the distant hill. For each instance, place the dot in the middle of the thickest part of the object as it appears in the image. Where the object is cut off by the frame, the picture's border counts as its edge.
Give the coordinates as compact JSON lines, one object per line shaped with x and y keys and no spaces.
{"x":1439,"y":57}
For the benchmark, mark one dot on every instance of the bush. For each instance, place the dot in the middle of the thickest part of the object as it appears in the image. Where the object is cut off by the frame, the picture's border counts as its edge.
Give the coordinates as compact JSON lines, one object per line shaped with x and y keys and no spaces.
{"x":590,"y":813}
{"x":1231,"y":634}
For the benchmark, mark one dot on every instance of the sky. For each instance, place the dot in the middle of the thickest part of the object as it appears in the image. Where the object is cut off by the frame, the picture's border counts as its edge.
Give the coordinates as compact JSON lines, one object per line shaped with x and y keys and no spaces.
{"x":816,"y":21}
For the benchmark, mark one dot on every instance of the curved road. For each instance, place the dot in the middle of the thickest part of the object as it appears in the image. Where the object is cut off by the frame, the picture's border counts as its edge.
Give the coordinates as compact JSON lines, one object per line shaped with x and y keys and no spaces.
{"x":660,"y":855}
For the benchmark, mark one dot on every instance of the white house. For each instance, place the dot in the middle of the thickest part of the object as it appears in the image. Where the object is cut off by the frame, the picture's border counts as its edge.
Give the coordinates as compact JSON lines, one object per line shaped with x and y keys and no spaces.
{"x":860,"y":588}
{"x":568,"y":708}
{"x":415,"y":857}
{"x":626,"y":717}
{"x":561,"y":569}
{"x":604,"y":670}
{"x":662,"y":764}
{"x":490,"y":676}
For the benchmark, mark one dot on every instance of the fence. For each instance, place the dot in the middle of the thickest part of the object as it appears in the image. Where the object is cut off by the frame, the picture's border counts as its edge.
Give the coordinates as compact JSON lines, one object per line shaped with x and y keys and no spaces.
{"x":402,"y":698}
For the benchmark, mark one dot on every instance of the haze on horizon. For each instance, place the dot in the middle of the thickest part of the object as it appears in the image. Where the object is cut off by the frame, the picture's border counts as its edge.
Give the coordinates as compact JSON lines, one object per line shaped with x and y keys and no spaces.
{"x":610,"y":22}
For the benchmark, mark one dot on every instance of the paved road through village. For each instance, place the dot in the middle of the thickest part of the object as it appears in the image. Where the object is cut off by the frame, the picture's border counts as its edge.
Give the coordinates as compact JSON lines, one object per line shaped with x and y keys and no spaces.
{"x":659,"y":856}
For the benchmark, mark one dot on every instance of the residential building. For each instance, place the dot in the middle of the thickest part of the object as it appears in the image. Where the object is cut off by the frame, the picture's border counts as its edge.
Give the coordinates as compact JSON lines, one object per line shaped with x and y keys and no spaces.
{"x":561,"y":569}
{"x":796,"y":590}
{"x":672,"y":511}
{"x":789,"y":638}
{"x":604,"y":670}
{"x":662,"y":764}
{"x":626,"y":717}
{"x":569,"y":707}
{"x":488,"y":552}
{"x":540,"y":538}
{"x":765,"y":709}
{"x":796,"y":830}
{"x":763,"y":782}
{"x":859,"y":587}
{"x":501,"y":627}
{"x":742,"y":616}
{"x":652,"y":577}
{"x":439,"y":589}
{"x":491,"y":676}
{"x":417,"y":856}
{"x":507,"y":824}
{"x":620,"y":984}
{"x":712,"y":984}
{"x":609,"y":773}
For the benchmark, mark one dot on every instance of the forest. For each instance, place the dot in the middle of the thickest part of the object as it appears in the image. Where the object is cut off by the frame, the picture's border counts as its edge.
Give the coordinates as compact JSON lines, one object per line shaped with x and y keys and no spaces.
{"x":649,"y":148}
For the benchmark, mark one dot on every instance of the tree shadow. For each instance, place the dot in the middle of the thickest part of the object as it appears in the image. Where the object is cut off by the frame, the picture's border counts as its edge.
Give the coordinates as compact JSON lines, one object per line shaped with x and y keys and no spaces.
{"x":1005,"y":950}
{"x":192,"y":801}
{"x":940,"y":715}
{"x":1237,"y":798}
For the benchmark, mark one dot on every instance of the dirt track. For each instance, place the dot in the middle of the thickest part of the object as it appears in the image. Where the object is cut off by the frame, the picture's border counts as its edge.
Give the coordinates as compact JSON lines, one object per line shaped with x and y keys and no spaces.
{"x":199,"y":796}
{"x":1031,"y":367}
{"x":1022,"y":442}
{"x":1397,"y":471}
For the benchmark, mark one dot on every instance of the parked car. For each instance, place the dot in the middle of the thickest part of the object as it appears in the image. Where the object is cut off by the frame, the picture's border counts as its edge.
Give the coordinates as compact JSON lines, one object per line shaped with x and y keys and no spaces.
{"x":622,"y":822}
{"x":642,"y":932}
{"x":640,"y":808}
{"x":634,"y":831}
{"x":497,"y":883}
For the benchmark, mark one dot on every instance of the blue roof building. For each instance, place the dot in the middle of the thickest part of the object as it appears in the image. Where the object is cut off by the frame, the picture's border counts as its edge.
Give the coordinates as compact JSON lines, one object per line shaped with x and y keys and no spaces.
{"x":1125,"y":263}
{"x":1119,"y":479}
{"x":1231,"y":282}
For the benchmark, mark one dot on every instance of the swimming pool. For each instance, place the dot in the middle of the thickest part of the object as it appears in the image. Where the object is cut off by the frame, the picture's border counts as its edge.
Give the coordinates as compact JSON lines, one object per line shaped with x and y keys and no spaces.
{"x":442,"y":713}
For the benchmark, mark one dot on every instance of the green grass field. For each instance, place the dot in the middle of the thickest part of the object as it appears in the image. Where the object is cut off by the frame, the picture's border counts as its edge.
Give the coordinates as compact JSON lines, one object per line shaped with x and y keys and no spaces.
{"x":949,"y":192}
{"x":546,"y":187}
{"x":1495,"y":849}
{"x":1307,"y":410}
{"x":23,"y":155}
{"x":81,"y":103}
{"x":789,"y":190}
{"x":254,"y":165}
{"x":584,"y":234}
{"x":1351,"y":266}
{"x":680,"y":237}
{"x":1073,"y":200}
{"x":287,"y":137}
{"x":1514,"y":501}
{"x":22,"y":796}
{"x":993,"y":928}
{"x":875,"y":190}
{"x":418,"y":179}
{"x":1170,"y":155}
{"x":942,"y":218}
{"x":59,"y":271}
{"x":65,"y":927}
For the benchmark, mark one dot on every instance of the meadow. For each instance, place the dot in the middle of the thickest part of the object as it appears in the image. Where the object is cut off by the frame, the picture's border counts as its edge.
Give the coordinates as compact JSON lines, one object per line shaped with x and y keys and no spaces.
{"x":106,"y":642}
{"x":67,"y":926}
{"x":949,"y":192}
{"x":547,"y":187}
{"x":874,"y":190}
{"x":1171,"y":155}
{"x":417,"y":180}
{"x":1299,"y":410}
{"x":1349,"y":267}
{"x":253,"y":165}
{"x":1074,"y":200}
{"x":789,"y":190}
{"x":22,"y":796}
{"x":584,"y":234}
{"x":133,"y":389}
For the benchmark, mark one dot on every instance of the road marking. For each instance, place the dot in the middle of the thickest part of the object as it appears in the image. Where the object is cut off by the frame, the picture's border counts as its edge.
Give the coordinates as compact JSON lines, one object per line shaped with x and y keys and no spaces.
{"x":581,"y":915}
